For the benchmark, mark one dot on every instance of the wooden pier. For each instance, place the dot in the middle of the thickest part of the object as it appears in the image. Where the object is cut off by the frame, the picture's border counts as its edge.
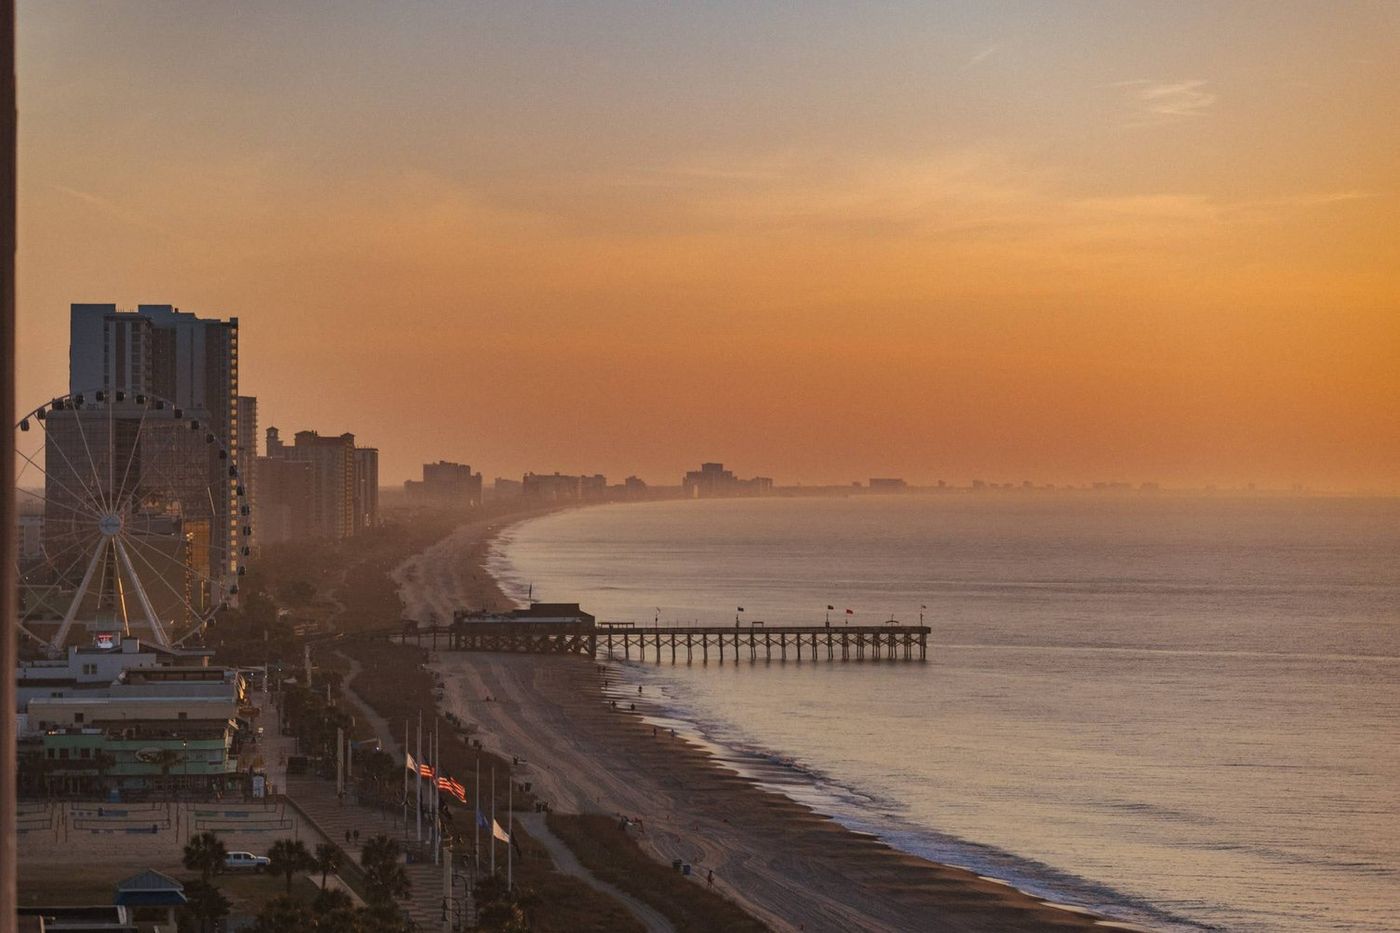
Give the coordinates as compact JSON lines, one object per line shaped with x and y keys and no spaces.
{"x":769,"y":643}
{"x":680,"y":644}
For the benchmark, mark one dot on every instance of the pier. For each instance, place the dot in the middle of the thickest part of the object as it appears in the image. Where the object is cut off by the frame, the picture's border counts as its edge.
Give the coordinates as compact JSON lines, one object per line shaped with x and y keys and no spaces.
{"x":777,"y":643}
{"x":679,"y":644}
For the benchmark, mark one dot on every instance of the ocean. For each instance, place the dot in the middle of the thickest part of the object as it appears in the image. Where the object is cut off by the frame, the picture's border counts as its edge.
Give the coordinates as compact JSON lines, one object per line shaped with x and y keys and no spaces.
{"x":1182,"y":712}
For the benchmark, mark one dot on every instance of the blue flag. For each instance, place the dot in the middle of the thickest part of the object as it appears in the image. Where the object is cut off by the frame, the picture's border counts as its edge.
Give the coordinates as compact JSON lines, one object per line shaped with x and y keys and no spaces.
{"x":482,"y":821}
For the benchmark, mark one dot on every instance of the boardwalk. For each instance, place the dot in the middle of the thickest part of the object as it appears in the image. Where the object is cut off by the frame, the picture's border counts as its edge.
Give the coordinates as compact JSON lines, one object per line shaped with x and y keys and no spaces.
{"x":317,"y":802}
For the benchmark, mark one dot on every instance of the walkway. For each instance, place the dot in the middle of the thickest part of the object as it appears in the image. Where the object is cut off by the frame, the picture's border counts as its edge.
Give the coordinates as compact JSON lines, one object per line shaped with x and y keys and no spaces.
{"x":382,"y":732}
{"x":565,"y":862}
{"x":317,"y":801}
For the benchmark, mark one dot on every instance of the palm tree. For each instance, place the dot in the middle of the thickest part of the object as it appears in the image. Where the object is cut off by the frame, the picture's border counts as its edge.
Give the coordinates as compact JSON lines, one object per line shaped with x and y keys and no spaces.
{"x":283,"y":914}
{"x":103,"y":762}
{"x":287,"y":857}
{"x":327,"y":860}
{"x":165,"y":759}
{"x":206,"y":902}
{"x":385,"y":877}
{"x":205,"y":854}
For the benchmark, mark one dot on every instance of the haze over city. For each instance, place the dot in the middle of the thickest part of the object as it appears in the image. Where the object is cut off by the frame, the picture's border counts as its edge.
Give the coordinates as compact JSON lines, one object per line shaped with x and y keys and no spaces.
{"x":1061,"y":243}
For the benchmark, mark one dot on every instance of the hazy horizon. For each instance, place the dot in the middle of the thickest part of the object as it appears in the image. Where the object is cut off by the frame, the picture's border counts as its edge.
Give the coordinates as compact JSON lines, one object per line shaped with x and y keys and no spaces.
{"x":1017,"y":242}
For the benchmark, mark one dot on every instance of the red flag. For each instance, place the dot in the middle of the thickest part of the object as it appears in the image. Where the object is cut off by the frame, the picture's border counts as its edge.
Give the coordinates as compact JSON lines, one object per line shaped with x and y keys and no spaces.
{"x":850,"y":612}
{"x":426,"y":771}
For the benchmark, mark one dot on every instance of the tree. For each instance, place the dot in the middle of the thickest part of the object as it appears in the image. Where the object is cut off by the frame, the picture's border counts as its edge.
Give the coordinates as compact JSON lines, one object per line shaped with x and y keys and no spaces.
{"x":378,"y":770}
{"x":207,"y":903}
{"x":103,"y":761}
{"x":328,"y":858}
{"x":335,"y":913}
{"x":287,"y":857}
{"x":165,"y":759}
{"x":284,"y":915}
{"x":205,"y":854}
{"x":386,"y":880}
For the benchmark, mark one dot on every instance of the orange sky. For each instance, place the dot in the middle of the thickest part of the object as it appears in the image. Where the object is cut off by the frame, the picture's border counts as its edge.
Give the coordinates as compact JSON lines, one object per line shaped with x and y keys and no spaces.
{"x":1063,"y":243}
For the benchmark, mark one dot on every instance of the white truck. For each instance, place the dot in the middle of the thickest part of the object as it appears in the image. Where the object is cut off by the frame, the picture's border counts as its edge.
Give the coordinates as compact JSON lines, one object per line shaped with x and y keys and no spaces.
{"x":245,"y":861}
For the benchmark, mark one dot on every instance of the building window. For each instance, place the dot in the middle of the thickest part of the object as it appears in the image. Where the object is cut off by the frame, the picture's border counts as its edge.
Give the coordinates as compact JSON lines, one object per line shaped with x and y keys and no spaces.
{"x":63,"y":753}
{"x":184,"y":715}
{"x":50,"y":752}
{"x":84,"y":753}
{"x":77,"y":718}
{"x":89,"y":668}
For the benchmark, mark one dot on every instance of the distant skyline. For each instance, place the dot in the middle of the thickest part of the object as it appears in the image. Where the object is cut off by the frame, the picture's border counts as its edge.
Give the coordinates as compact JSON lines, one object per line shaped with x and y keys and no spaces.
{"x":1059,"y":242}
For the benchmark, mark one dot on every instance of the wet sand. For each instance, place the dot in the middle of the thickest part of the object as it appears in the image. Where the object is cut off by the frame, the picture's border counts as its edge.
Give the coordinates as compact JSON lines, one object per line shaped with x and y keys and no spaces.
{"x":790,"y":866}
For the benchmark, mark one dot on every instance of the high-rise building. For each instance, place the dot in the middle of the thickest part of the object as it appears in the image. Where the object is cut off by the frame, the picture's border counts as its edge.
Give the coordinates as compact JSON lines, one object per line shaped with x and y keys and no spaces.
{"x":332,"y":459}
{"x":189,"y":361}
{"x":713,"y":480}
{"x":556,"y":487}
{"x":284,"y":494}
{"x":246,"y":443}
{"x":161,"y":350}
{"x":366,"y":488}
{"x":445,"y":484}
{"x":309,"y":488}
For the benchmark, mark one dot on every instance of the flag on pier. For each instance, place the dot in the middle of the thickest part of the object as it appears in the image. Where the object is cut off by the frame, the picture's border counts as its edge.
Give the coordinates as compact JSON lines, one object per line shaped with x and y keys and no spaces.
{"x":850,"y":612}
{"x":498,"y":833}
{"x":830,"y":608}
{"x":425,"y":770}
{"x":409,"y":762}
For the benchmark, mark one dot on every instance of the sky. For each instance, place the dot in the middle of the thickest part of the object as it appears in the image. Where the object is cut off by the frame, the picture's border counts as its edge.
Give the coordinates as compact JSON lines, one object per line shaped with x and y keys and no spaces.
{"x":1057,"y":242}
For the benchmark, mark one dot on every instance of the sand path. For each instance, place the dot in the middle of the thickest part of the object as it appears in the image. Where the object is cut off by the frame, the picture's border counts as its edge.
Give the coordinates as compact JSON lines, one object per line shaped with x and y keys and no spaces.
{"x":564,"y":861}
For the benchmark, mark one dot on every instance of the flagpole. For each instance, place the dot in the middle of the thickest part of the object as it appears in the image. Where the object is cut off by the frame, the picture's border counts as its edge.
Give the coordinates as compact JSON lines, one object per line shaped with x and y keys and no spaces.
{"x":510,"y":820}
{"x":476,"y":820}
{"x":405,"y":773}
{"x":437,"y":797}
{"x":493,"y":820}
{"x":419,"y":779}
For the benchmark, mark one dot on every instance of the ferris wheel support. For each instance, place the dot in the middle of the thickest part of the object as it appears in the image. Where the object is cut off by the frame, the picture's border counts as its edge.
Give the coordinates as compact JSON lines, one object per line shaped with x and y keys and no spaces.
{"x":152,"y":618}
{"x":72,"y":612}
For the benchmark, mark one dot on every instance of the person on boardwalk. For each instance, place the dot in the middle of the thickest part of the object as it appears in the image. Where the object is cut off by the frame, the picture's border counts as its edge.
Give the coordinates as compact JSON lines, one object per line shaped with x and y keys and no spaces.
{"x":710,"y":878}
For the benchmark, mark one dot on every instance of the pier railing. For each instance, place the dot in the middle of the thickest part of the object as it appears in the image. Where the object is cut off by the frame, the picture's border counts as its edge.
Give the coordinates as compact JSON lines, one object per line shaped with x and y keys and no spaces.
{"x":769,"y":643}
{"x":677,"y":644}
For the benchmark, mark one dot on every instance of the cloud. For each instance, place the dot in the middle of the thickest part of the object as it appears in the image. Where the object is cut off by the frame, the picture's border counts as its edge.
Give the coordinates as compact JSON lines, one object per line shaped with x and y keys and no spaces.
{"x":1156,"y":103}
{"x":982,"y":56}
{"x":110,"y":207}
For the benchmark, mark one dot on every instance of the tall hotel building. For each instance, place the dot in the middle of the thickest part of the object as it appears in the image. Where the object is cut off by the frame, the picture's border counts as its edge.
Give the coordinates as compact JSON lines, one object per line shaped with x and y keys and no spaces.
{"x":189,"y":361}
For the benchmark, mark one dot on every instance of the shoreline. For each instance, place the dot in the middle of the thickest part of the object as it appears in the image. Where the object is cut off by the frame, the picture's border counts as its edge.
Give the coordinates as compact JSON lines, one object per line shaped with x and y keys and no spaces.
{"x":782,"y":859}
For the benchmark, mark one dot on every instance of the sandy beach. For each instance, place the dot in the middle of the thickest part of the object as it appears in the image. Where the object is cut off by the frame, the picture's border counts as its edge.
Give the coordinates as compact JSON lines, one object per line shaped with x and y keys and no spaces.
{"x":792,"y":867}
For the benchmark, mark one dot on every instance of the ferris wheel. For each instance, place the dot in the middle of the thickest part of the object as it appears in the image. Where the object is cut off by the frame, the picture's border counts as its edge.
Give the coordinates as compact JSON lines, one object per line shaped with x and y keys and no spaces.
{"x":133,"y":519}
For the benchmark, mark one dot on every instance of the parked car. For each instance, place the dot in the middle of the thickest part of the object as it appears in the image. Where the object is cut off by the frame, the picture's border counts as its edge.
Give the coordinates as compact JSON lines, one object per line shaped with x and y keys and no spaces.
{"x":245,"y":861}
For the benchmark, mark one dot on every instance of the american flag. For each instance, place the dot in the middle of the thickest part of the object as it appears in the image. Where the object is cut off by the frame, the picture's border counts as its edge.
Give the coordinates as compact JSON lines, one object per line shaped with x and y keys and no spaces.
{"x":453,"y":787}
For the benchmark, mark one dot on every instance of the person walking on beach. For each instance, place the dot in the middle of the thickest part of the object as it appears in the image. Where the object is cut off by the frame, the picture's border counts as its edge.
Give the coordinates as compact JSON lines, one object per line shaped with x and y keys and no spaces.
{"x":710,"y":878}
